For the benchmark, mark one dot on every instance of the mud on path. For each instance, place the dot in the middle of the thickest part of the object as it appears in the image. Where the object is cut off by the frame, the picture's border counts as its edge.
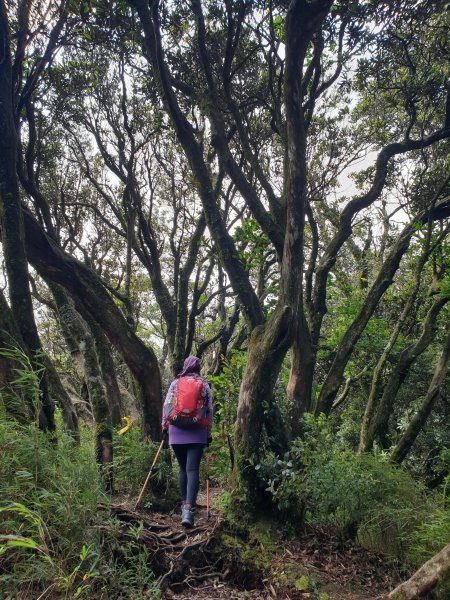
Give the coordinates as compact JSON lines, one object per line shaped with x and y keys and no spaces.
{"x":313,"y":567}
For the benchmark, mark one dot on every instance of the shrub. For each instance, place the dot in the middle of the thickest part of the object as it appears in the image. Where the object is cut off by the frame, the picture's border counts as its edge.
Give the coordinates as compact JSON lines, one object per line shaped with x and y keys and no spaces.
{"x":226,"y":393}
{"x":131,"y":463}
{"x":322,"y":483}
{"x":433,"y":532}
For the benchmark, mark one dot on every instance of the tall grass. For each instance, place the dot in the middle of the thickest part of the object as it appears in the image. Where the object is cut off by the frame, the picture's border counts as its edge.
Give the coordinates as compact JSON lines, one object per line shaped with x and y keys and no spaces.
{"x":57,"y":537}
{"x":49,"y":499}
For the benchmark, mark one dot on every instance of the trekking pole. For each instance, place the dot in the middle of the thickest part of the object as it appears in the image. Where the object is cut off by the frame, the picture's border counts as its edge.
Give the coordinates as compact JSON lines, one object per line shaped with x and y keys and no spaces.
{"x":149,"y":475}
{"x":207,"y":487}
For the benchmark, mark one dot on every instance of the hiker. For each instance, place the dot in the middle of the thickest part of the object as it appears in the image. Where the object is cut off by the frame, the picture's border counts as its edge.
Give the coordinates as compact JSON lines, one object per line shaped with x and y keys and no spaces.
{"x":187,"y":420}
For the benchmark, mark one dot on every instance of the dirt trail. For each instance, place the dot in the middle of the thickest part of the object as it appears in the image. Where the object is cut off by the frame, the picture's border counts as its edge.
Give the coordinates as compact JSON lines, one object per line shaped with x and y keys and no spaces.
{"x":323,"y":568}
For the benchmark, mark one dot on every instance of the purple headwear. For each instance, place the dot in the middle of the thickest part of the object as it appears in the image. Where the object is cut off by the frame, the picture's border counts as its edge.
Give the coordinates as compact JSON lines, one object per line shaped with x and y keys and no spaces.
{"x":192,"y":364}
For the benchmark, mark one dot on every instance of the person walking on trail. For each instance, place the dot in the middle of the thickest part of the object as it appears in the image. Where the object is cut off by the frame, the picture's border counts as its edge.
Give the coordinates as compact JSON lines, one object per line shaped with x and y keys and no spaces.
{"x":187,"y":420}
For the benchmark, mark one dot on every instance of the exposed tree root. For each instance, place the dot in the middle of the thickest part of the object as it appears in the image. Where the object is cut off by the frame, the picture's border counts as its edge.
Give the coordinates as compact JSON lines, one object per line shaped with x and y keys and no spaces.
{"x":206,"y":561}
{"x":179,"y":558}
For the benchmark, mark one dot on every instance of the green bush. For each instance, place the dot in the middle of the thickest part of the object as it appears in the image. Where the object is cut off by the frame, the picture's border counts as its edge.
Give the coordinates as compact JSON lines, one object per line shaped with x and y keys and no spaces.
{"x":19,"y":396}
{"x":131,"y":463}
{"x":433,"y":532}
{"x":322,"y":483}
{"x":127,"y":575}
{"x":225,"y":388}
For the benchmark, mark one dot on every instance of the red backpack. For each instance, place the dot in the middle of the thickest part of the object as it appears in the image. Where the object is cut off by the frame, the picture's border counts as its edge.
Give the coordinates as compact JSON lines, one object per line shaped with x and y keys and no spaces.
{"x":188,"y":404}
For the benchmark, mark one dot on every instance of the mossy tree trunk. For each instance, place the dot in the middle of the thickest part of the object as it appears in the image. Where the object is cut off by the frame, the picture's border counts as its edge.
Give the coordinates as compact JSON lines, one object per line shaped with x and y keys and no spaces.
{"x":425,"y":579}
{"x":13,"y":229}
{"x":417,"y":423}
{"x":86,"y":289}
{"x":107,"y":367}
{"x":286,"y":325}
{"x":85,"y":412}
{"x":62,"y":399}
{"x":377,"y":375}
{"x":80,"y":332}
{"x":267,"y":348}
{"x":376,"y":417}
{"x":10,"y":339}
{"x":301,"y":378}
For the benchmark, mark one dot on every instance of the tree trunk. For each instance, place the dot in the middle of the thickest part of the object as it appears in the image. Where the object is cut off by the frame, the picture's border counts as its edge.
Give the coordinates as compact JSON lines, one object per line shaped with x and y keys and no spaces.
{"x":270,"y":342}
{"x":81,"y":405}
{"x":149,"y":257}
{"x":383,"y":281}
{"x":376,"y":426}
{"x":62,"y":399}
{"x":299,"y":388}
{"x":12,"y":228}
{"x":225,"y":338}
{"x":276,"y":428}
{"x":107,"y":367}
{"x":10,"y":337}
{"x":79,"y":331}
{"x":267,"y":348}
{"x":424,"y":580}
{"x":85,"y":288}
{"x":22,"y":408}
{"x":377,"y":375}
{"x":405,"y":443}
{"x":180,"y":346}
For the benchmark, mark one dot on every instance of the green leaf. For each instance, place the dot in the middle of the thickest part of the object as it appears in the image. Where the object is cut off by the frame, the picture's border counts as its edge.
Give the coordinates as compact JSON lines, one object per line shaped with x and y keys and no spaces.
{"x":18,"y":541}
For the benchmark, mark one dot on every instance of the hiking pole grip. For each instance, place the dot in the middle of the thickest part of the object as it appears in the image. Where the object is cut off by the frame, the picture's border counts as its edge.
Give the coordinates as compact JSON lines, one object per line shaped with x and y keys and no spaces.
{"x":149,"y":475}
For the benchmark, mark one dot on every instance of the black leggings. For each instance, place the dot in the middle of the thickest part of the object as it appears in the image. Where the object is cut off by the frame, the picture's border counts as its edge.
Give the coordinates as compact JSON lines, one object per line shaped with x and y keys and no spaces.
{"x":188,"y":457}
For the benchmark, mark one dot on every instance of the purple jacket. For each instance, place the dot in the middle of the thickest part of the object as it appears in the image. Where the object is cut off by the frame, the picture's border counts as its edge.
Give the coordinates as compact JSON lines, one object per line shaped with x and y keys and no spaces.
{"x":188,"y":436}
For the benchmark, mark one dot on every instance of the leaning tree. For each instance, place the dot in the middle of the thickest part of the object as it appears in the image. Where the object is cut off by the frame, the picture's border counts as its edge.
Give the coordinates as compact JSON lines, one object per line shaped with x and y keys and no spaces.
{"x":33,"y":227}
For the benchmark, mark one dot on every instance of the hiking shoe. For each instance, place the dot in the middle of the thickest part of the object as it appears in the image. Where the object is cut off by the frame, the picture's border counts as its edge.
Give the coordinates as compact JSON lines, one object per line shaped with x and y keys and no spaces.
{"x":187,"y":515}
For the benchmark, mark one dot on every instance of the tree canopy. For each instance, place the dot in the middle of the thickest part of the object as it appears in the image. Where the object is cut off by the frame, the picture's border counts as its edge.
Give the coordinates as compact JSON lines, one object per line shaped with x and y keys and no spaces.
{"x":264,"y":181}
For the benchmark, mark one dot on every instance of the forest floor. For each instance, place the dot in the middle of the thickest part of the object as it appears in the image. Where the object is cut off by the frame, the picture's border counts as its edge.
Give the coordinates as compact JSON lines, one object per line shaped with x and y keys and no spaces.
{"x":313,"y":566}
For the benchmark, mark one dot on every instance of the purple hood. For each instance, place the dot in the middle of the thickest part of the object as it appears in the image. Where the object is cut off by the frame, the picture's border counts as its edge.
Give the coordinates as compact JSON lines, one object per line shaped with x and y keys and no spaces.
{"x":192,"y":364}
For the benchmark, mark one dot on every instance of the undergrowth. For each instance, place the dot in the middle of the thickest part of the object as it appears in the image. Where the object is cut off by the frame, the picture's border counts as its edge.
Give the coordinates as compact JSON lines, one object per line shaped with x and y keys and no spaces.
{"x":57,"y":538}
{"x":132,"y":460}
{"x":323,"y":484}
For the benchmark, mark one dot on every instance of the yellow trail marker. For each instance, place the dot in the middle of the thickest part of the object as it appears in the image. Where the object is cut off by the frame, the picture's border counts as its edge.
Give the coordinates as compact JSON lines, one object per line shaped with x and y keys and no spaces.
{"x":128,"y":424}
